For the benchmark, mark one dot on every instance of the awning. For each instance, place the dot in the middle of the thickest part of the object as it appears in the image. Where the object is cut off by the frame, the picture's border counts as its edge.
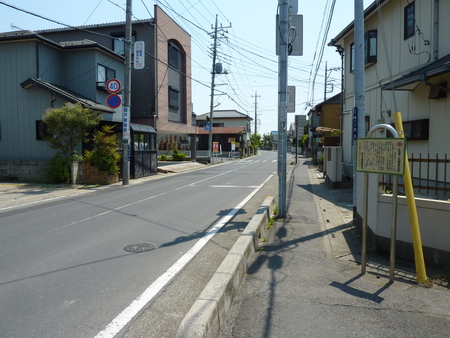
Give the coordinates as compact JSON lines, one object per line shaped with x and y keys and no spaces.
{"x":142,"y":128}
{"x":410,"y":80}
{"x":321,"y":129}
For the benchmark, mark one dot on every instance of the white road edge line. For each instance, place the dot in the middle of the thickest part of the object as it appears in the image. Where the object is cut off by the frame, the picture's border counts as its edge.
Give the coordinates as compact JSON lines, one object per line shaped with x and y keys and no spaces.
{"x":122,"y":319}
{"x":45,"y":200}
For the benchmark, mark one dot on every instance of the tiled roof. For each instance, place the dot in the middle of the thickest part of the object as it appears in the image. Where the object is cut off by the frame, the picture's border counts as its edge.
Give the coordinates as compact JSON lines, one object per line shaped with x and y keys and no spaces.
{"x":224,"y":114}
{"x":66,"y":94}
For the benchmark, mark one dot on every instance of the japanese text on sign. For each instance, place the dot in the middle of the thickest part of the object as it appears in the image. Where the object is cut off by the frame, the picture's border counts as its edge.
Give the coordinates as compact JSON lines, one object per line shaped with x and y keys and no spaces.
{"x":139,"y":55}
{"x":381,"y":155}
{"x":126,"y":123}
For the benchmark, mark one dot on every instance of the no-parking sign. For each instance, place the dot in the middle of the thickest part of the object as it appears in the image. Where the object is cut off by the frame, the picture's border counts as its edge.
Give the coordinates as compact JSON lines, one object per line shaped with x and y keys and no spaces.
{"x":113,"y":101}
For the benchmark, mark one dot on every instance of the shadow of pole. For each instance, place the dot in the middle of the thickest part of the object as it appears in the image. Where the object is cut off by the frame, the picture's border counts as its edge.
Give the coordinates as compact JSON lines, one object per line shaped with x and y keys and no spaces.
{"x":374,"y":297}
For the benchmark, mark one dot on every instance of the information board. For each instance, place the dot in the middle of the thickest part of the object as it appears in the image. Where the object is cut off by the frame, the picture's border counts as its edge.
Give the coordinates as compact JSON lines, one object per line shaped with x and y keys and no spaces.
{"x":381,"y":155}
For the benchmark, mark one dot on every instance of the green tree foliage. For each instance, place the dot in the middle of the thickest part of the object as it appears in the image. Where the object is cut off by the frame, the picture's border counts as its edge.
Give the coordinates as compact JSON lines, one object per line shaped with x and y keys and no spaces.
{"x":304,"y":141}
{"x":267,"y":142}
{"x":68,"y":126}
{"x":104,"y":156}
{"x":255,"y":141}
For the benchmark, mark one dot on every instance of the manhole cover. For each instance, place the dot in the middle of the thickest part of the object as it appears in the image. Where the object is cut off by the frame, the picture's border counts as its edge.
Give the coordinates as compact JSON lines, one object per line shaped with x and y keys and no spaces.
{"x":140,"y":247}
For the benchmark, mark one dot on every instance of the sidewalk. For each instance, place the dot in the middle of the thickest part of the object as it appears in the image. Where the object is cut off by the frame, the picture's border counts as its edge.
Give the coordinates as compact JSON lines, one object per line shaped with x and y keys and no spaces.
{"x":14,"y":194}
{"x":306,"y":281}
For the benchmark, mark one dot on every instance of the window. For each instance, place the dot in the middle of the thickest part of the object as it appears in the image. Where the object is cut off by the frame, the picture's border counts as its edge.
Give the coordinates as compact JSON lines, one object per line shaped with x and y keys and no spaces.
{"x":174,"y":56}
{"x":41,"y":130}
{"x":370,"y":47}
{"x":104,"y":74}
{"x":409,"y":20}
{"x":144,"y":141}
{"x":174,"y":98}
{"x":370,"y":50}
{"x":119,"y":41}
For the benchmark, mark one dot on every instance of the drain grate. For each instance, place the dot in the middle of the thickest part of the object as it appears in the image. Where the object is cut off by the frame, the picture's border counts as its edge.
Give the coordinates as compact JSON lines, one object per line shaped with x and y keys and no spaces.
{"x":139,"y":248}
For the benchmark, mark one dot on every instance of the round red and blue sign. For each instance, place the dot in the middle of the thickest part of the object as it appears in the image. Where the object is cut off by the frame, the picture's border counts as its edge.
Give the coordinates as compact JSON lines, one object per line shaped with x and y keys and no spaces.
{"x":113,"y":101}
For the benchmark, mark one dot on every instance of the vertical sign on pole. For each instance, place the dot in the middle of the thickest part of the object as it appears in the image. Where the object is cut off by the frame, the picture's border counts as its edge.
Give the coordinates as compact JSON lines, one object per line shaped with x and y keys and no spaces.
{"x":126,"y":125}
{"x":139,"y":55}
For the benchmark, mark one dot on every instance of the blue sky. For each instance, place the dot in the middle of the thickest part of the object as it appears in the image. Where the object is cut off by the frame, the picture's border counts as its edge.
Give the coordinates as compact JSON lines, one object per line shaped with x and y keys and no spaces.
{"x":247,"y":53}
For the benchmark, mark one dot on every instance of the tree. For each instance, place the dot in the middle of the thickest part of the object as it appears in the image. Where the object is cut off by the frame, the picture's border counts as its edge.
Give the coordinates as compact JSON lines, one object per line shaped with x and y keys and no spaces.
{"x":255,"y":141}
{"x":68,"y":126}
{"x":267,"y":142}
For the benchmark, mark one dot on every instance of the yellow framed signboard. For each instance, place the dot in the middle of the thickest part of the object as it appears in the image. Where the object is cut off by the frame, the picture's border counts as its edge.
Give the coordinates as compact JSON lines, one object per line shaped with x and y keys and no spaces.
{"x":381,"y":155}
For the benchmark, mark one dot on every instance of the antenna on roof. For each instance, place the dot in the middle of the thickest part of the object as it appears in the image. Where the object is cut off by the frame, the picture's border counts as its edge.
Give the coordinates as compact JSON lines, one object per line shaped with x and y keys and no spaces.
{"x":12,"y":27}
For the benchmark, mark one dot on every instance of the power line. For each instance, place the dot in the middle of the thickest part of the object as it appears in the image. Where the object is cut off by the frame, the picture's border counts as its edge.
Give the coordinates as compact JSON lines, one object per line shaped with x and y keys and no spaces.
{"x":54,"y":21}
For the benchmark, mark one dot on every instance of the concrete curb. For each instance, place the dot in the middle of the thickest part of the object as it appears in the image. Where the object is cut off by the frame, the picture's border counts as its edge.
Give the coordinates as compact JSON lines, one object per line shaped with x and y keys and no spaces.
{"x":210,"y":310}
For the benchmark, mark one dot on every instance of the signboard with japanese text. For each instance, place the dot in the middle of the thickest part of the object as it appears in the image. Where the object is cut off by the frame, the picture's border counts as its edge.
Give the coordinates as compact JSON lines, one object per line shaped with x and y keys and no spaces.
{"x":355,"y":123}
{"x":381,"y":155}
{"x":216,"y":147}
{"x":139,"y":55}
{"x":126,"y":123}
{"x":300,"y":122}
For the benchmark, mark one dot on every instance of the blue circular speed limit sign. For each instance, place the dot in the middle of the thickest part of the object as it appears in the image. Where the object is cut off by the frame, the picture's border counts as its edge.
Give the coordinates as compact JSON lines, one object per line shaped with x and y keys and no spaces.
{"x":113,"y":86}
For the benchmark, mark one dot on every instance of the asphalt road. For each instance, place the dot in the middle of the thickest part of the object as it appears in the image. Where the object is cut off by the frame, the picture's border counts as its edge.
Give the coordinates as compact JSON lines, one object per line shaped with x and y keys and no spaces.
{"x":65,"y":268}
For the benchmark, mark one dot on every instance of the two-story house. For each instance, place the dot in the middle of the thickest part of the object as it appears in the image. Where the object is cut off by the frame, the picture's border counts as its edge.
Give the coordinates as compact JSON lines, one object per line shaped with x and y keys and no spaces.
{"x":36,"y":74}
{"x":227,"y":125}
{"x":407,"y":70}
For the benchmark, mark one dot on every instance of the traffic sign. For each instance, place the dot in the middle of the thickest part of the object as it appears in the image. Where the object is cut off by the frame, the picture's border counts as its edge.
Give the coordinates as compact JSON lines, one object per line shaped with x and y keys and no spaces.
{"x":113,"y":86}
{"x":113,"y":101}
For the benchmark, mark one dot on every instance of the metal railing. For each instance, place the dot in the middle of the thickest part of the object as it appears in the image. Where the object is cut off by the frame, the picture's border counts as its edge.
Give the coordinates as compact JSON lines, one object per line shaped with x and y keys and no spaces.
{"x":430,"y":176}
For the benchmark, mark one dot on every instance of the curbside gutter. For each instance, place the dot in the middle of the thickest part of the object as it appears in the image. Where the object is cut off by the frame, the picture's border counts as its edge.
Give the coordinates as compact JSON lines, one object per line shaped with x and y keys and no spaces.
{"x":210,"y":310}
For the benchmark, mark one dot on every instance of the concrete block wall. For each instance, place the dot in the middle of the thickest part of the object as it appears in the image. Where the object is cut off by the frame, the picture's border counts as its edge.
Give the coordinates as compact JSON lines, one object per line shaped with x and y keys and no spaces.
{"x":23,"y":170}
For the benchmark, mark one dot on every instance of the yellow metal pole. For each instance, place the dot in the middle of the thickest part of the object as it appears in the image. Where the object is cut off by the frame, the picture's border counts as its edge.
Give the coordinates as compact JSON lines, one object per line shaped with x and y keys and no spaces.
{"x":412,"y":210}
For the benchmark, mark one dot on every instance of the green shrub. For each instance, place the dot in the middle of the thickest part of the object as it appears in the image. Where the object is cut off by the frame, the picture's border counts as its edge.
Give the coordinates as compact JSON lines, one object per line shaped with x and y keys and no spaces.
{"x":57,"y":170}
{"x":104,"y":156}
{"x":162,"y":157}
{"x":176,"y":156}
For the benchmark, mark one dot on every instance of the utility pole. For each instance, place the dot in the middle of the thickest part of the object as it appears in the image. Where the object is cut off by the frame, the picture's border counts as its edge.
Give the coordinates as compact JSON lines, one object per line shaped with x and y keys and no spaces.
{"x":327,"y":75}
{"x":359,"y":110}
{"x":256,"y":110}
{"x":283,"y":28}
{"x":127,"y":98}
{"x":214,"y":71}
{"x":213,"y":75}
{"x":326,"y":78}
